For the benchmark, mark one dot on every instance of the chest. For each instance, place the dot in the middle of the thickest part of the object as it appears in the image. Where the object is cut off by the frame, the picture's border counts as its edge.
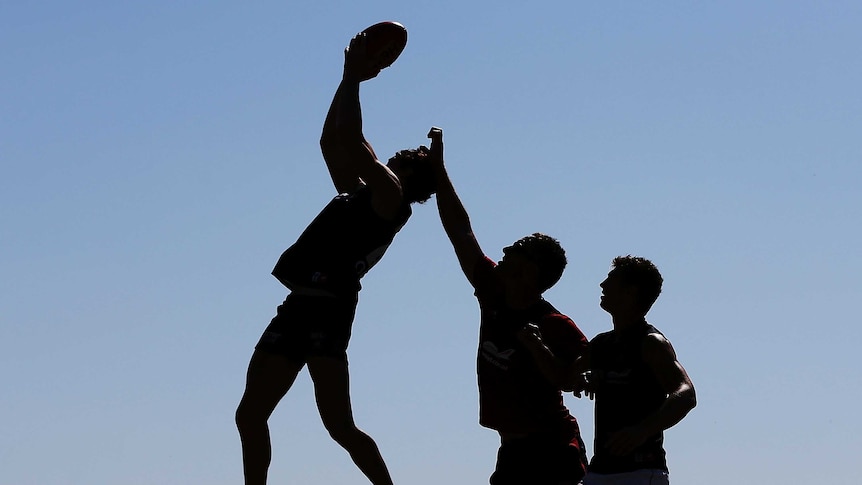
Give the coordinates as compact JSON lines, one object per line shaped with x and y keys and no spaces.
{"x":499,"y":346}
{"x":618,"y":362}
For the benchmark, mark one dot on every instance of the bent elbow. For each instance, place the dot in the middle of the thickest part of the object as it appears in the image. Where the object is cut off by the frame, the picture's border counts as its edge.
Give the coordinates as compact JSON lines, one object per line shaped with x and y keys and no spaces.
{"x":690,"y":399}
{"x":329,"y":137}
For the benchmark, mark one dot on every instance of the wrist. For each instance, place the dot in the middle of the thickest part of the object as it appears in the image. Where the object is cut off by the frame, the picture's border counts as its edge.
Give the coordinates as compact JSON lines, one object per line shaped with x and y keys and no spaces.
{"x":349,"y":77}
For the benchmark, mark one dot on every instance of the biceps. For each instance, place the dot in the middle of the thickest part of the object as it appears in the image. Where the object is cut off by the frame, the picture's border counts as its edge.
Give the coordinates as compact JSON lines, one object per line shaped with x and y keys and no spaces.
{"x":672,"y":377}
{"x":343,"y":173}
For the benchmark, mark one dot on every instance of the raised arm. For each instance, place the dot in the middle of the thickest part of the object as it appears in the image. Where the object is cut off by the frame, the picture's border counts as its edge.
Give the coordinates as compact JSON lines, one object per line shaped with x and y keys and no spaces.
{"x":456,"y":221}
{"x":344,"y":174}
{"x":349,"y":157}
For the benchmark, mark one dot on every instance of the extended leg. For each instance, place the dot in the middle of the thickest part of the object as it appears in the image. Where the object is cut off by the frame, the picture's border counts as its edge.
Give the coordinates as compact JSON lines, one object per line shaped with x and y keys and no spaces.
{"x":332,"y":391}
{"x":268,"y":380}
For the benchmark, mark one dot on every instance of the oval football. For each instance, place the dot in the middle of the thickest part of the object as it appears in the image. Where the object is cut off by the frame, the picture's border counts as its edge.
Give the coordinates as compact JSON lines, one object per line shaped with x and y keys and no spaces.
{"x":384,"y":42}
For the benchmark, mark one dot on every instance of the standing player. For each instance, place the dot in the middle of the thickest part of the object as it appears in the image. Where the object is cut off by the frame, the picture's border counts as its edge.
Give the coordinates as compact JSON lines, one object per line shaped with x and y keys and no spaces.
{"x":639,"y":386}
{"x":322,"y":269}
{"x":525,"y":347}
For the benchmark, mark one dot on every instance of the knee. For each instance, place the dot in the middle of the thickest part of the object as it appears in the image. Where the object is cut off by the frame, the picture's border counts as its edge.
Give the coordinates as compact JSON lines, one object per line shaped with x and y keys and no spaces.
{"x":344,"y":432}
{"x":248,"y":416}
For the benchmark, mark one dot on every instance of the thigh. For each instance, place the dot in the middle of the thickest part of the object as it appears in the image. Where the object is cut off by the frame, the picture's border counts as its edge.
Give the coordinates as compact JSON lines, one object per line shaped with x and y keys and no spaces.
{"x":268,"y":379}
{"x":307,"y":325}
{"x":331,"y":390}
{"x":288,"y":332}
{"x":331,"y":327}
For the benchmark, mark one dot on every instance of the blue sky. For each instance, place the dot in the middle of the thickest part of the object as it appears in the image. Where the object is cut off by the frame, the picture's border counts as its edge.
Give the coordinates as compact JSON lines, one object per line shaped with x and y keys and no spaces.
{"x":157,"y":157}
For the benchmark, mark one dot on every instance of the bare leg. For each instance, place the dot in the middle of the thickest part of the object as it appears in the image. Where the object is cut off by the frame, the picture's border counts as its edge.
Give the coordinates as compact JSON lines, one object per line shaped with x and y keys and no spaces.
{"x":332,"y":391}
{"x":268,"y":380}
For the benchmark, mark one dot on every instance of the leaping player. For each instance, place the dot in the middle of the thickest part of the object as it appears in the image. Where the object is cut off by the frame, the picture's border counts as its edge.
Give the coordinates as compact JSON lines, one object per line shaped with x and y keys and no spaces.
{"x":322,"y":270}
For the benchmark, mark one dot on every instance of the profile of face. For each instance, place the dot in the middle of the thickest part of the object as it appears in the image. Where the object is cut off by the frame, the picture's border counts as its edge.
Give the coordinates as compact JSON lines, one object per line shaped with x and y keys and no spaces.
{"x":518,"y":269}
{"x":617,"y":296}
{"x":414,"y":173}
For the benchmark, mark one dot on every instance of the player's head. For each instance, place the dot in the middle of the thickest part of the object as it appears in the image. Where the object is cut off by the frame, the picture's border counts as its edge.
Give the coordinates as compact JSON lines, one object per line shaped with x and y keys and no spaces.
{"x":414,"y":170}
{"x":542,"y":251}
{"x":634,"y":282}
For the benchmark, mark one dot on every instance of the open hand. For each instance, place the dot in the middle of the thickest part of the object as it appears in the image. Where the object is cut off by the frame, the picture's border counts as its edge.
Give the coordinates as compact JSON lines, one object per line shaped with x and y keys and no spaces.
{"x":357,"y":67}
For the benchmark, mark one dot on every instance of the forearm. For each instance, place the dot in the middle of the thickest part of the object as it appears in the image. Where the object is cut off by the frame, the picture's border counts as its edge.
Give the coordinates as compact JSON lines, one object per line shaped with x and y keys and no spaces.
{"x":453,"y":215}
{"x":672,"y":411}
{"x":681,"y":398}
{"x":328,"y":135}
{"x":554,"y":370}
{"x":347,"y":120}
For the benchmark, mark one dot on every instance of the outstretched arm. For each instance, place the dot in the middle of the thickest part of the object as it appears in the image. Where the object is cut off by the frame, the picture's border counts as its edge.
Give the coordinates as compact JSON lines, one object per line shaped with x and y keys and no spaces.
{"x":344,"y":174}
{"x":456,"y":221}
{"x":349,"y":157}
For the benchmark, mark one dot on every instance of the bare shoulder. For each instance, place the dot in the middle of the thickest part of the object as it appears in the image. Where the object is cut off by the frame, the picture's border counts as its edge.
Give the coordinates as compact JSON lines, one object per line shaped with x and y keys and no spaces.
{"x":661,"y":357}
{"x":657,"y":347}
{"x":387,"y":196}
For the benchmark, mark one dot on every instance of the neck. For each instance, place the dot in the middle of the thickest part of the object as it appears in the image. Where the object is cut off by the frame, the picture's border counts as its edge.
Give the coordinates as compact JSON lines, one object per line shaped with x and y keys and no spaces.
{"x":623,"y":322}
{"x":520,"y":300}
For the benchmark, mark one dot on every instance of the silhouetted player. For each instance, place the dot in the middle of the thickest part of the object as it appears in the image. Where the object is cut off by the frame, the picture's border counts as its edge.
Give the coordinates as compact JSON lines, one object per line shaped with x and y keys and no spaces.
{"x":526,"y":348}
{"x":322,"y":269}
{"x":639,"y":386}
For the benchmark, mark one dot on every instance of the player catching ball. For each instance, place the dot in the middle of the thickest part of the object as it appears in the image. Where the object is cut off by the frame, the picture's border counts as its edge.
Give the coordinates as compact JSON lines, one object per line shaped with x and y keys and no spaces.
{"x":322,"y":270}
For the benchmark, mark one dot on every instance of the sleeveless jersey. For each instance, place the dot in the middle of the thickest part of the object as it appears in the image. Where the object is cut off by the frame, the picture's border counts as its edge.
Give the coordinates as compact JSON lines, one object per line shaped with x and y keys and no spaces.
{"x":626,"y":393}
{"x":340,"y":245}
{"x":514,"y":395}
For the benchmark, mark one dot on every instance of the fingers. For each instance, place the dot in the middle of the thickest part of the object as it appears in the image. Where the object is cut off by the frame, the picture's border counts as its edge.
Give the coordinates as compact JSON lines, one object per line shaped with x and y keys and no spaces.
{"x":356,"y":64}
{"x":435,"y":134}
{"x":525,"y":336}
{"x":529,"y":332}
{"x":357,"y":44}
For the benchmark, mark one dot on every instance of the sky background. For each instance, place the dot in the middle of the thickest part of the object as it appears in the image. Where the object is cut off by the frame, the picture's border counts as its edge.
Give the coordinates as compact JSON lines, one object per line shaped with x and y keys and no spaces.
{"x":157,"y":157}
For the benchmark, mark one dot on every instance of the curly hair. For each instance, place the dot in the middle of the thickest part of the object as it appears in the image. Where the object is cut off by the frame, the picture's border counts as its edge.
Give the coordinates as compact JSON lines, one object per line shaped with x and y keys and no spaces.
{"x":421,"y":184}
{"x":546,"y":252}
{"x":642,"y":274}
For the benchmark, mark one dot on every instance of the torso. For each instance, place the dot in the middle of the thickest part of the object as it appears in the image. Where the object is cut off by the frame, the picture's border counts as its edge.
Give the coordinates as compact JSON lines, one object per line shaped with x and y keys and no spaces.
{"x":514,"y":396}
{"x":340,"y":245}
{"x":627,"y":392}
